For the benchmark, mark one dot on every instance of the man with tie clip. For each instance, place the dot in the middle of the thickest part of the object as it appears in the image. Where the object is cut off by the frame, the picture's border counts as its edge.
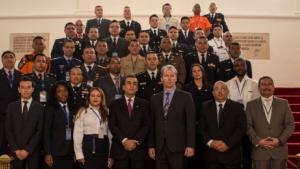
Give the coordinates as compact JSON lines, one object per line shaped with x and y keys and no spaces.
{"x":222,"y":126}
{"x":23,"y":126}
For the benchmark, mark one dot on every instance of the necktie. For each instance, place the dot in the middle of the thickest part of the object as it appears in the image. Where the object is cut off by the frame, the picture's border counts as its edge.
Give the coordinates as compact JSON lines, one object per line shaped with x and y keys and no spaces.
{"x":89,"y":71}
{"x":117,"y":84}
{"x":152,"y":76}
{"x":128,"y":24}
{"x":25,"y":108}
{"x":144,"y":49}
{"x":154,"y":31}
{"x":174,"y":45}
{"x":166,"y":105}
{"x":129,"y":107}
{"x":68,"y":62}
{"x":185,"y":34}
{"x":98,"y":21}
{"x":202,"y":59}
{"x":219,"y":113}
{"x":10,"y":78}
{"x":67,"y":122}
{"x":167,"y":58}
{"x":40,"y":76}
{"x":115,"y":42}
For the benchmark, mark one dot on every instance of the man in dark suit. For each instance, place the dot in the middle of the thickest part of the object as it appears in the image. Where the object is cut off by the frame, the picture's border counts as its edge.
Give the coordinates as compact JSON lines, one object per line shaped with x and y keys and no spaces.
{"x":149,"y":81}
{"x":9,"y":78}
{"x":129,"y":124}
{"x":185,"y":35}
{"x":172,"y":133}
{"x":215,"y":18}
{"x":98,"y":22}
{"x":128,"y":23}
{"x":111,"y":83}
{"x":23,"y":126}
{"x":144,"y":39}
{"x":61,"y":66}
{"x":57,"y":49}
{"x":155,"y":33}
{"x":226,"y":67}
{"x":177,"y":47}
{"x":208,"y":60}
{"x":222,"y":126}
{"x":117,"y":46}
{"x":92,"y":38}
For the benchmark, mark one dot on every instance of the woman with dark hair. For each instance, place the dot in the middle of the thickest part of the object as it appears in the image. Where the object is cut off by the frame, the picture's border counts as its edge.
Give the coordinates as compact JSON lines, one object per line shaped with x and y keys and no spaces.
{"x":91,"y":134}
{"x":200,"y":92}
{"x":58,"y":126}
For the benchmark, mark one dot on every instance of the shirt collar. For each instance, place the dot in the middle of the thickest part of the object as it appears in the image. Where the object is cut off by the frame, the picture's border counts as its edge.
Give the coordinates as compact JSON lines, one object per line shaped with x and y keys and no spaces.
{"x":12,"y":70}
{"x":171,"y":90}
{"x":132,"y":99}
{"x":117,"y":37}
{"x":73,"y":85}
{"x":150,"y":72}
{"x":152,"y":29}
{"x":223,"y":103}
{"x":66,"y":57}
{"x":244,"y":79}
{"x":265,"y":98}
{"x":86,"y":65}
{"x":28,"y":101}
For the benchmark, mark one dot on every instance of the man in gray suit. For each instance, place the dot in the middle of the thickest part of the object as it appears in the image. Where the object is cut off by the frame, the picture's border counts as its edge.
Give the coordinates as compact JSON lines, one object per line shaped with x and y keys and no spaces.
{"x":98,"y":22}
{"x":270,"y":124}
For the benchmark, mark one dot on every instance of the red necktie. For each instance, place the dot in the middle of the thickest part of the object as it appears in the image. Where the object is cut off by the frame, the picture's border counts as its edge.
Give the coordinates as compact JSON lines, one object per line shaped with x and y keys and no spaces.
{"x":129,"y":107}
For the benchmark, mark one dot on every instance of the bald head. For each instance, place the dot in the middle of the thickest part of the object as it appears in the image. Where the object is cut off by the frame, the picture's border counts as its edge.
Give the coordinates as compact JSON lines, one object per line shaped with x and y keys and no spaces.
{"x":220,"y":91}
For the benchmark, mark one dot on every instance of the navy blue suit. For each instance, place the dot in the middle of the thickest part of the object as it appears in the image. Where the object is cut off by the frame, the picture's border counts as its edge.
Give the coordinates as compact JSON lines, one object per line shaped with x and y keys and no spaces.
{"x":60,"y":68}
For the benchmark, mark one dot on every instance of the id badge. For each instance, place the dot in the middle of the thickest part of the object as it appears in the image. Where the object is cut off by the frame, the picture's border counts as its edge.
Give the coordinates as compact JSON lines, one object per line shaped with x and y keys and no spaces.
{"x":68,"y":133}
{"x":100,"y":132}
{"x":43,"y":96}
{"x":67,"y":76}
{"x":117,"y":96}
{"x":115,"y":54}
{"x":90,"y":83}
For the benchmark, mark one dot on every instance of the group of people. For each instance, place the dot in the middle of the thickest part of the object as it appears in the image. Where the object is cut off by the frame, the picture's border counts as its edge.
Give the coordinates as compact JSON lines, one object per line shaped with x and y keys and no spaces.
{"x":179,"y":95}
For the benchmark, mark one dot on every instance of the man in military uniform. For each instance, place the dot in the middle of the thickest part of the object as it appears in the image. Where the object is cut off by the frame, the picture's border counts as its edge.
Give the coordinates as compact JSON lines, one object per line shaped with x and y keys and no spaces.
{"x":101,"y":51}
{"x":38,"y":45}
{"x":57,"y":50}
{"x":128,"y":23}
{"x":149,"y":82}
{"x":177,"y":47}
{"x":155,"y":33}
{"x":61,"y":66}
{"x":144,"y":39}
{"x":79,"y":88}
{"x":92,"y":38}
{"x":43,"y":81}
{"x":167,"y":57}
{"x":90,"y":70}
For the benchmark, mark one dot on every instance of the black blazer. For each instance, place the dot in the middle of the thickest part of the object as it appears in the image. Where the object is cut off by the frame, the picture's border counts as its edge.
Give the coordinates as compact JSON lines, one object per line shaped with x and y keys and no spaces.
{"x":189,"y":41}
{"x":54,"y":139}
{"x":231,"y":130}
{"x":121,"y":49}
{"x":135,"y":26}
{"x":59,"y":67}
{"x":178,"y":129}
{"x":123,"y":126}
{"x":57,"y":49}
{"x":102,"y":28}
{"x":24,"y":131}
{"x":155,"y":39}
{"x":226,"y":70}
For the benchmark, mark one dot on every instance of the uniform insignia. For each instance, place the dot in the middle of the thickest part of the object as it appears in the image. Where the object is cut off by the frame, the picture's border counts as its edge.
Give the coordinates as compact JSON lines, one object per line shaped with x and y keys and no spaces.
{"x":211,"y":65}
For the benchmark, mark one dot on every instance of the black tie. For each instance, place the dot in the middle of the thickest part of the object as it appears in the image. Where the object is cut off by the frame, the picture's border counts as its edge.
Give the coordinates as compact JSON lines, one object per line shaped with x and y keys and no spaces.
{"x":152,"y":76}
{"x":69,"y":62}
{"x":66,"y":115}
{"x":154,"y":31}
{"x":167,"y":58}
{"x":40,"y":76}
{"x":25,"y":108}
{"x":185,"y":34}
{"x":89,"y":71}
{"x":10,"y":78}
{"x":98,"y":21}
{"x":128,"y":24}
{"x":219,"y":113}
{"x":115,"y":42}
{"x":202,"y":59}
{"x":144,"y":49}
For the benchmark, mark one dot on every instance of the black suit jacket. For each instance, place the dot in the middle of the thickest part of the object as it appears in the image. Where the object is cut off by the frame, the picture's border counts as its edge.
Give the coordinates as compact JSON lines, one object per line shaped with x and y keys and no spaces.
{"x":121,"y":48}
{"x":54,"y":139}
{"x":8,"y":95}
{"x":155,"y":39}
{"x":134,"y":127}
{"x":148,"y":87}
{"x":60,"y":67}
{"x":135,"y":26}
{"x":226,"y":70}
{"x":102,"y":28}
{"x":218,"y":19}
{"x":24,"y":131}
{"x":189,"y":41}
{"x":57,"y":49}
{"x":232,"y":128}
{"x":178,"y":129}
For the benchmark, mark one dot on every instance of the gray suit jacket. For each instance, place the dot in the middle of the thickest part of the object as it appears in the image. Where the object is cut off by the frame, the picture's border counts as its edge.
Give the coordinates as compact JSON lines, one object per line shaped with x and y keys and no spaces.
{"x":281,"y":127}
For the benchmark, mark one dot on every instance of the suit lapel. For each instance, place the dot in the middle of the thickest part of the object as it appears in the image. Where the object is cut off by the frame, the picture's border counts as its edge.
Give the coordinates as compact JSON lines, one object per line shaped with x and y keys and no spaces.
{"x":213,"y":110}
{"x":273,"y":110}
{"x":261,"y":110}
{"x":124,"y":107}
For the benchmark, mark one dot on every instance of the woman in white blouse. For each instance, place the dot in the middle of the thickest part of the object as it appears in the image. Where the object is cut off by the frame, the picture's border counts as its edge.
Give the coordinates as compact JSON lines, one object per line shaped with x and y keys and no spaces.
{"x":91,"y":133}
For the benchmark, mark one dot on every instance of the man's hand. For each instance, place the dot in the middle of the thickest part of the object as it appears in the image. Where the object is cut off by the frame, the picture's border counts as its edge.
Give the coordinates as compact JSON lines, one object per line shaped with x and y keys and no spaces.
{"x":273,"y":141}
{"x":49,"y":160}
{"x":266,"y":143}
{"x":189,"y":152}
{"x":81,"y":161}
{"x":110,"y":162}
{"x":151,"y":153}
{"x":223,"y":147}
{"x":18,"y":154}
{"x":130,"y":145}
{"x":24,"y":154}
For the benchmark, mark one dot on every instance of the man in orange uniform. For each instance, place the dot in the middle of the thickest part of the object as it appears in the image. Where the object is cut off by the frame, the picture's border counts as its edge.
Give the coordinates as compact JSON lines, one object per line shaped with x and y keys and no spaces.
{"x":198,"y":21}
{"x":26,"y":63}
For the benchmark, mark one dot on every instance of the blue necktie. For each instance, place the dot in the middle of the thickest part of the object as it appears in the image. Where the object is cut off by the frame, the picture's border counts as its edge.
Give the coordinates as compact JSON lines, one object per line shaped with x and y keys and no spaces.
{"x":10,"y":78}
{"x":166,"y":105}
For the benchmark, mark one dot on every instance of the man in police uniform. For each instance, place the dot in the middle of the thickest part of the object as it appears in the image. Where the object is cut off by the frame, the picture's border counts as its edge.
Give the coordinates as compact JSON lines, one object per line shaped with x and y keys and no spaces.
{"x":144,"y":39}
{"x":43,"y":81}
{"x":149,"y":82}
{"x":177,"y":47}
{"x":92,"y":38}
{"x":80,"y":88}
{"x":167,"y":57}
{"x":90,"y":70}
{"x":57,"y":50}
{"x":155,"y":33}
{"x":101,"y":51}
{"x":62,"y":65}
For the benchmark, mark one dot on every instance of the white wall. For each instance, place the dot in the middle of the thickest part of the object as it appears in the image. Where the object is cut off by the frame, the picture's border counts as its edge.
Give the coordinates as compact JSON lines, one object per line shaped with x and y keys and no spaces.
{"x":279,"y":18}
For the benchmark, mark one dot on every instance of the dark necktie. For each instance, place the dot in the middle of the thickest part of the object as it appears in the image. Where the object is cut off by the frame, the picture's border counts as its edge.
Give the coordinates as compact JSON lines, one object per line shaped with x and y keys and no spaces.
{"x":68,"y":62}
{"x":144,"y":49}
{"x":98,"y":21}
{"x":129,"y":107}
{"x":89,"y":71}
{"x":166,"y":105}
{"x":115,"y":42}
{"x":67,"y":119}
{"x":152,"y":76}
{"x":154,"y":31}
{"x":25,"y":108}
{"x":117,"y":84}
{"x":185,"y":34}
{"x":219,"y":113}
{"x":202,"y":59}
{"x":10,"y":78}
{"x":128,"y":24}
{"x":40,"y":76}
{"x":167,"y":58}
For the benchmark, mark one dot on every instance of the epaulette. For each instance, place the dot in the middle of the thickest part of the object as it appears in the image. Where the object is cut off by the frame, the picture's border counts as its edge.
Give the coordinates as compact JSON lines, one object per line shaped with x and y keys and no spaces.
{"x":102,"y":67}
{"x":140,"y":73}
{"x":51,"y":75}
{"x":77,"y":66}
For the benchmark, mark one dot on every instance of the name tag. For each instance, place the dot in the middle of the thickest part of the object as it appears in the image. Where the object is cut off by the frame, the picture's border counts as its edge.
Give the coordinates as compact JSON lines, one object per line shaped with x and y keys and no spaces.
{"x":68,"y":134}
{"x":43,"y":96}
{"x":117,"y":96}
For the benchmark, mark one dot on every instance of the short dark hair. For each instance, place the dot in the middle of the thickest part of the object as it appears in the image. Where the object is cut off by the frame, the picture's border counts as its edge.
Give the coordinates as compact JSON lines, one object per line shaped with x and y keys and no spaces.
{"x":184,"y":17}
{"x":217,"y":26}
{"x":133,"y":41}
{"x":39,"y":54}
{"x":153,"y":15}
{"x":234,"y":44}
{"x":129,"y":76}
{"x":68,"y":41}
{"x":8,"y":52}
{"x":101,"y":41}
{"x":114,"y":21}
{"x":265,"y":78}
{"x":166,"y":4}
{"x":69,"y":23}
{"x":52,"y":95}
{"x":172,"y":27}
{"x":143,"y":31}
{"x":37,"y":38}
{"x":26,"y":79}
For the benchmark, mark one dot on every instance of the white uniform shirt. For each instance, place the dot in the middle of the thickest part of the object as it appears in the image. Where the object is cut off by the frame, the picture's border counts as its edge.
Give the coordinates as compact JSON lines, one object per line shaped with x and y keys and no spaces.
{"x":219,"y":47}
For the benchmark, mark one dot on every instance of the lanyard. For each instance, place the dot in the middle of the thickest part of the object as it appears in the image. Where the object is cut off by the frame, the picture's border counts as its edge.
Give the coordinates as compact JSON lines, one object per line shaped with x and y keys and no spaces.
{"x":270,"y":109}
{"x":97,"y":114}
{"x":221,"y":44}
{"x":134,"y":63}
{"x":242,"y":89}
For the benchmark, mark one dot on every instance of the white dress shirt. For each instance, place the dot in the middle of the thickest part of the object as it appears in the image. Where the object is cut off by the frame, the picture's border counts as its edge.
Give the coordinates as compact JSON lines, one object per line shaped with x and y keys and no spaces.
{"x":219,"y":47}
{"x":267,"y":106}
{"x":88,"y":122}
{"x":29,"y":101}
{"x":242,"y":91}
{"x":150,"y":73}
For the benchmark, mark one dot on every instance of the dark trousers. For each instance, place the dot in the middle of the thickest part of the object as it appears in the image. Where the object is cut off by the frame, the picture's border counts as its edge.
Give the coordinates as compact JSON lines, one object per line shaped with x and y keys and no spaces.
{"x":95,"y":152}
{"x":165,"y":159}
{"x":216,"y":165}
{"x":31,"y":162}
{"x":197,"y":161}
{"x":246,"y":153}
{"x":129,"y":164}
{"x":63,"y":162}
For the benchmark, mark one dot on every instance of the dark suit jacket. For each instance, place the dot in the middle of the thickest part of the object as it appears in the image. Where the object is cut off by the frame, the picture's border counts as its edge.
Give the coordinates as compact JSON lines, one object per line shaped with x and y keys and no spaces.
{"x":57,"y":49}
{"x":107,"y":85}
{"x":232,"y":128}
{"x":155,"y":39}
{"x":148,"y":87}
{"x":218,"y":19}
{"x":226,"y":70}
{"x":123,"y":126}
{"x":135,"y":26}
{"x":59,"y":67}
{"x":55,"y":131}
{"x":189,"y":41}
{"x":121,"y":49}
{"x":102,"y":28}
{"x":8,"y":95}
{"x":178,"y":129}
{"x":24,"y":131}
